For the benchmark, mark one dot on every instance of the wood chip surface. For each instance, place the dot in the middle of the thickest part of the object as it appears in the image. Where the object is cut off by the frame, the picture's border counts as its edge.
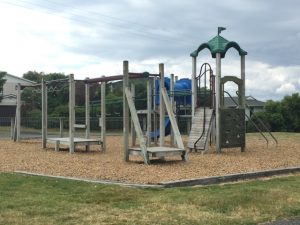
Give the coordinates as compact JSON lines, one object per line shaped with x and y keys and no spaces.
{"x":29,"y":156}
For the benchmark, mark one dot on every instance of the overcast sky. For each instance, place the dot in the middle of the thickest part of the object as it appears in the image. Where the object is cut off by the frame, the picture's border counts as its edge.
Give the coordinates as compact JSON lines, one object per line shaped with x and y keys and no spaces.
{"x":91,"y":38}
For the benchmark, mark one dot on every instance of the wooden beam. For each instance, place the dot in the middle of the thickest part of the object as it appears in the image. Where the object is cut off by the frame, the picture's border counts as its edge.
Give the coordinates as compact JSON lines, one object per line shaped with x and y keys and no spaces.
{"x":103,"y":116}
{"x":161,"y":107}
{"x":44,"y":113}
{"x":149,"y":112}
{"x":137,"y":125}
{"x":125,"y":112}
{"x":87,"y":113}
{"x":173,"y":119}
{"x":18,"y":112}
{"x":12,"y":125}
{"x":154,"y":109}
{"x":61,"y":127}
{"x":133,"y":133}
{"x":71,"y":113}
{"x":172,"y":102}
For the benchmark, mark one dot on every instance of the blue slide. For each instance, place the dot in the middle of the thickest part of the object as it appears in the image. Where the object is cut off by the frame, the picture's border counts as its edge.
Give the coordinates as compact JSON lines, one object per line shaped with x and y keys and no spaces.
{"x":155,"y":134}
{"x":180,"y":86}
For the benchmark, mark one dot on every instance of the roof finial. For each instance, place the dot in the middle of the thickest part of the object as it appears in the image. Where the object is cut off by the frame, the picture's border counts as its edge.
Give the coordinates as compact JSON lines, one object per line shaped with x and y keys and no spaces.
{"x":220,"y":29}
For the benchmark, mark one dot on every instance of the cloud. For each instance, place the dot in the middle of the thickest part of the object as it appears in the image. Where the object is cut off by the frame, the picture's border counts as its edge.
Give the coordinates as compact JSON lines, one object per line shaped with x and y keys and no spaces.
{"x":265,"y":81}
{"x":92,"y":38}
{"x":286,"y":89}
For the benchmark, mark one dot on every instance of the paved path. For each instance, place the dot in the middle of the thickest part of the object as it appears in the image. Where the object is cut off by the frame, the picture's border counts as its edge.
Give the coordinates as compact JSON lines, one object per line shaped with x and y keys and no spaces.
{"x":291,"y":221}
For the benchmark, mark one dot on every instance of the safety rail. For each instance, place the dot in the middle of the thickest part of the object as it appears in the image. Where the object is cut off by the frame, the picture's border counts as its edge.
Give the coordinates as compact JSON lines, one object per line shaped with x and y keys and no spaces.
{"x":262,"y":124}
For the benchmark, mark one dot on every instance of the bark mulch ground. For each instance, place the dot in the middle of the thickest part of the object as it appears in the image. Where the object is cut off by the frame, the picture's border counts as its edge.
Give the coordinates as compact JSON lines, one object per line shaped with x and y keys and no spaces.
{"x":29,"y":156}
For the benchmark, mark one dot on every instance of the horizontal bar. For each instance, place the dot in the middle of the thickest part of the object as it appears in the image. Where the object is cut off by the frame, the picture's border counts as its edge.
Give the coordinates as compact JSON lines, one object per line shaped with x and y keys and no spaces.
{"x":55,"y":81}
{"x":29,"y":85}
{"x":119,"y":77}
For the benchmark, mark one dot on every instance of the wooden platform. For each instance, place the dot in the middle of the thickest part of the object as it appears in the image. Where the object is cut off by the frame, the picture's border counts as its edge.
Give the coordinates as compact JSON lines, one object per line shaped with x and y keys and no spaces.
{"x":160,"y":152}
{"x":77,"y":141}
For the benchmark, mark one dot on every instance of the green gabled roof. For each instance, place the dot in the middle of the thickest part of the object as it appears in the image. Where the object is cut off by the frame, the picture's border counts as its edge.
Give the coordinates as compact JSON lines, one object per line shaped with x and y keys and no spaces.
{"x":218,"y":45}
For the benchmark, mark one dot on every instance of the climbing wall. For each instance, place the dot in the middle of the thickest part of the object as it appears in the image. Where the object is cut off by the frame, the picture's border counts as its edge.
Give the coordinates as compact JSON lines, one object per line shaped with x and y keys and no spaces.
{"x":232,"y":126}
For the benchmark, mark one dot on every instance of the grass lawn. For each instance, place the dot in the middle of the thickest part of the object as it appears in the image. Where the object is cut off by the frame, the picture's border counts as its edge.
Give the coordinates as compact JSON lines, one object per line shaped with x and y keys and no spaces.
{"x":39,"y":200}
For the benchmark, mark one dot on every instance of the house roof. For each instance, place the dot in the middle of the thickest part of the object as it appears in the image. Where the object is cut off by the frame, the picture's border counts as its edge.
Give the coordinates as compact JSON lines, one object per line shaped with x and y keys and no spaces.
{"x":20,"y":78}
{"x":250,"y":101}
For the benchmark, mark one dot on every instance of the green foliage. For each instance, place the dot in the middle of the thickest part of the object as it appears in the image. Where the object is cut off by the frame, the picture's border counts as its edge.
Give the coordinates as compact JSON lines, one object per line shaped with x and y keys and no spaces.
{"x":60,"y":111}
{"x":114,"y":104}
{"x":2,"y":82}
{"x":281,"y":115}
{"x":60,"y":95}
{"x":34,"y":76}
{"x":290,"y":108}
{"x":33,"y":123}
{"x":204,"y":97}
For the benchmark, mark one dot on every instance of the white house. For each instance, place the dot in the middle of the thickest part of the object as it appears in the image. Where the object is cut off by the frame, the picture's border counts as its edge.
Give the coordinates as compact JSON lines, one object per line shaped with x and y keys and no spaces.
{"x":9,"y":101}
{"x":252,"y":104}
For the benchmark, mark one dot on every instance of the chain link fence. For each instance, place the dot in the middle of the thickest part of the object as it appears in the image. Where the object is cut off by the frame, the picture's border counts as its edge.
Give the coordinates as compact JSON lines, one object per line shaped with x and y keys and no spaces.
{"x":31,"y":127}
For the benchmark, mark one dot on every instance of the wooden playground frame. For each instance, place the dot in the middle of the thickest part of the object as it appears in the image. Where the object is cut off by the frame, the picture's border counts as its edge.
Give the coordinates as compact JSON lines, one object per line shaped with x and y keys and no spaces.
{"x":145,"y":149}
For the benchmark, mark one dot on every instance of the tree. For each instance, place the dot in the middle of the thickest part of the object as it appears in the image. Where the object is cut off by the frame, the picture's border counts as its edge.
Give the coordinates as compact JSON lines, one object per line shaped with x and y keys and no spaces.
{"x":281,"y":115}
{"x":34,"y":76}
{"x":58,"y":93}
{"x":290,"y":108}
{"x":2,"y":82}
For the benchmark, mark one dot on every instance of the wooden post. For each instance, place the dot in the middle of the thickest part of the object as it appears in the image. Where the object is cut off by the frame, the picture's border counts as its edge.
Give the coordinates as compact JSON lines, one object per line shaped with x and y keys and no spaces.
{"x":87,"y":114}
{"x":243,"y":94}
{"x":71,"y":113}
{"x":61,"y":127}
{"x":194,"y":71}
{"x":125,"y":112}
{"x":133,"y":133}
{"x":18,"y":112}
{"x":103,"y":116}
{"x":218,"y":96}
{"x":161,"y":107}
{"x":149,"y":112}
{"x":12,"y":125}
{"x":44,"y":113}
{"x":15,"y":130}
{"x":172,"y":101}
{"x":154,"y":110}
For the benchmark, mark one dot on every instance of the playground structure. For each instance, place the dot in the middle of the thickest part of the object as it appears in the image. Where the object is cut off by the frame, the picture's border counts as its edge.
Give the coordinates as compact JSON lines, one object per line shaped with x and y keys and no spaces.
{"x":229,"y":123}
{"x":211,"y":120}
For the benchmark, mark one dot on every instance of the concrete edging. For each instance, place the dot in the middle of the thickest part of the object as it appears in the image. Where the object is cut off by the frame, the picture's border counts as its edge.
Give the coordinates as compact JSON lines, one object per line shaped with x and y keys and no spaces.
{"x":182,"y":183}
{"x":92,"y":181}
{"x":230,"y":178}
